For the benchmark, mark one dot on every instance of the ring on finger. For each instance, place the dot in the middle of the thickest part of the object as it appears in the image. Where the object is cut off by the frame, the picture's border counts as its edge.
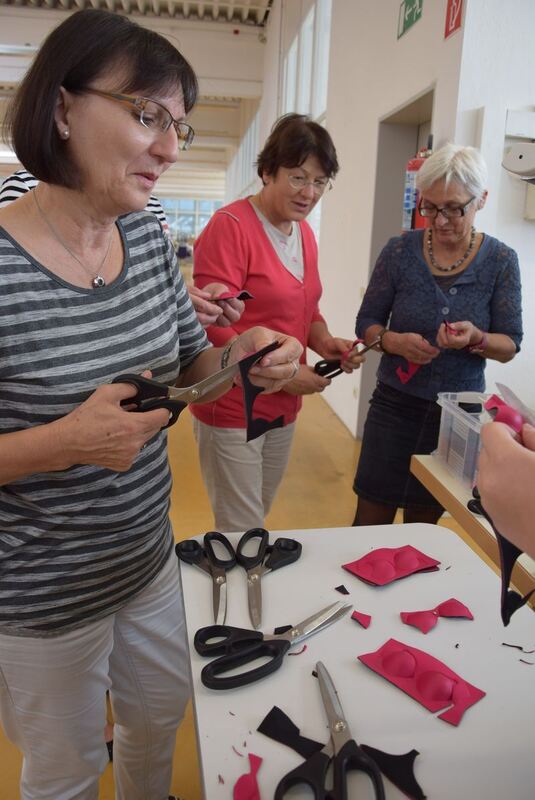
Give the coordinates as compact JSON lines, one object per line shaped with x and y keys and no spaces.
{"x":295,"y":365}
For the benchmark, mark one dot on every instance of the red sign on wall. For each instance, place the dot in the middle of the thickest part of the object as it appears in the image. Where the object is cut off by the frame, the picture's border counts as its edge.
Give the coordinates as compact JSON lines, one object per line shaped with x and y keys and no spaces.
{"x":454,"y":15}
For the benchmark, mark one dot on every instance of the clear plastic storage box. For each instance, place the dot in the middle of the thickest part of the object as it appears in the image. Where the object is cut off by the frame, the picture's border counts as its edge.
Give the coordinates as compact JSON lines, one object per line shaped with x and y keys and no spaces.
{"x":459,"y":438}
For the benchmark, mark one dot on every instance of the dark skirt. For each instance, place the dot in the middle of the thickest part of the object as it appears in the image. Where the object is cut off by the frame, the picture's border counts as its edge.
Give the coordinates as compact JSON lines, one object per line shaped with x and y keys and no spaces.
{"x":398,"y":426}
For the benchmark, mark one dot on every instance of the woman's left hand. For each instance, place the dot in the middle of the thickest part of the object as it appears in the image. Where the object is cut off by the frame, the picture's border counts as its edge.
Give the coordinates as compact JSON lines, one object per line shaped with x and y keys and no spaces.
{"x":458,"y":335}
{"x":277,"y":367}
{"x":345,"y":350}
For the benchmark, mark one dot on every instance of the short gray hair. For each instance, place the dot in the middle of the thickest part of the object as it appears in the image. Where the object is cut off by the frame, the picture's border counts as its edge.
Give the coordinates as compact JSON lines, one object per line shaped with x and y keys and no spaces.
{"x":454,"y":163}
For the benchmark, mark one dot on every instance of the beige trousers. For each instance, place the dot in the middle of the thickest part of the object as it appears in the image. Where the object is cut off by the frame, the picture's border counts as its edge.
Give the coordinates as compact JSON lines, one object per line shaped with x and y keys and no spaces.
{"x":241,"y":477}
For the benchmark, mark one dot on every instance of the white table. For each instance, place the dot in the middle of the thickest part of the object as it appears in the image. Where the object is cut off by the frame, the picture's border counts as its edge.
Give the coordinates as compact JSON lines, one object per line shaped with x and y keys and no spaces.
{"x":489,"y":756}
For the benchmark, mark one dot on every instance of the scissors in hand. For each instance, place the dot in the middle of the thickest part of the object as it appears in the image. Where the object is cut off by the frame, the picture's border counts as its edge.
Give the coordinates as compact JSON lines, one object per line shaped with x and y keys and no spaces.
{"x":205,"y":557}
{"x":332,"y":368}
{"x":237,"y":647}
{"x":267,"y":559}
{"x":341,"y":750}
{"x":151,"y":394}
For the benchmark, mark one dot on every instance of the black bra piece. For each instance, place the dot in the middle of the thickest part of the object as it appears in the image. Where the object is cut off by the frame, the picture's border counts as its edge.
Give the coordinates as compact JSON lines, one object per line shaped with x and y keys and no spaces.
{"x":256,"y":427}
{"x":511,"y":600}
{"x":399,"y":769}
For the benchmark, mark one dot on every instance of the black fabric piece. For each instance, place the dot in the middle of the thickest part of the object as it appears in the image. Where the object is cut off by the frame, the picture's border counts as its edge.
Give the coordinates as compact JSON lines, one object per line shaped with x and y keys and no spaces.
{"x":511,"y":600}
{"x":278,"y":726}
{"x":342,"y":589}
{"x":256,"y":427}
{"x":399,"y":769}
{"x":282,"y":629}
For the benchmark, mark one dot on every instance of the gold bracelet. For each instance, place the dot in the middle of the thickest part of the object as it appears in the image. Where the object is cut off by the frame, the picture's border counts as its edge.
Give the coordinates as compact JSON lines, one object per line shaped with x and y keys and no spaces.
{"x":225,"y":355}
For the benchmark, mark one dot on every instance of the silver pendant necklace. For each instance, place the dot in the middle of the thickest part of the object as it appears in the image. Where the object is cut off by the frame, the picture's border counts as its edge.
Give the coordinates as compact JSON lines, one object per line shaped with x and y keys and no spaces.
{"x":97,"y":281}
{"x":459,"y":260}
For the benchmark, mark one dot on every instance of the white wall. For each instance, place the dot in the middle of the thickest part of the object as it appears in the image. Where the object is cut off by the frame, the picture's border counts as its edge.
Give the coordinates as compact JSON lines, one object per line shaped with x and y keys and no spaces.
{"x":498,"y":73}
{"x":372,"y":74}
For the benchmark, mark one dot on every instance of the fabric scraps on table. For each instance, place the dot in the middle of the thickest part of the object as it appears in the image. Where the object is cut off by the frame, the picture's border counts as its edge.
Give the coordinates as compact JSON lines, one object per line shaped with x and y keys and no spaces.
{"x":387,"y":564}
{"x":362,"y":619}
{"x":298,"y":652}
{"x":397,"y":768}
{"x":246,"y":787}
{"x":342,"y":589}
{"x":424,"y":678}
{"x":517,"y":647}
{"x":426,"y":620}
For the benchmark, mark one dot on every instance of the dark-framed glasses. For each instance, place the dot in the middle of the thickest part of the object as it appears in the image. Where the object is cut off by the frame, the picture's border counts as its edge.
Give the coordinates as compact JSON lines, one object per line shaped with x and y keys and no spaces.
{"x":152,"y":115}
{"x":449,"y":212}
{"x":319,"y":185}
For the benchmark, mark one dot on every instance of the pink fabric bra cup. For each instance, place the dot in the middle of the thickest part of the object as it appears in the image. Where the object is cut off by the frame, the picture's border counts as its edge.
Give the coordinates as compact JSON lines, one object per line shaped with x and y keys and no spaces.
{"x":387,"y":564}
{"x":424,"y":678}
{"x":426,"y":620}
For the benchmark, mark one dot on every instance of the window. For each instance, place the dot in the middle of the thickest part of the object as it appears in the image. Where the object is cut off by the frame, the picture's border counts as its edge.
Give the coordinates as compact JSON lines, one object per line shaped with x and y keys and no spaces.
{"x":306,"y":65}
{"x":187,"y":217}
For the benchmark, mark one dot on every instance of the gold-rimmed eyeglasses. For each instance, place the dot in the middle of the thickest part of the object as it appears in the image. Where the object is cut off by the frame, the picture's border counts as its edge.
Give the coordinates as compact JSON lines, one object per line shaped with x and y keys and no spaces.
{"x":152,"y":115}
{"x":319,"y":185}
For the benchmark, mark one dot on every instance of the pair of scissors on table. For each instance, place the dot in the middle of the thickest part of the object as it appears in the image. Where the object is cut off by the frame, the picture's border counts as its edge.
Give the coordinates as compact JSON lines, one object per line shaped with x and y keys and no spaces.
{"x":341,"y":750}
{"x":266,"y":559}
{"x":151,"y":394}
{"x":331,"y":368}
{"x":237,"y":647}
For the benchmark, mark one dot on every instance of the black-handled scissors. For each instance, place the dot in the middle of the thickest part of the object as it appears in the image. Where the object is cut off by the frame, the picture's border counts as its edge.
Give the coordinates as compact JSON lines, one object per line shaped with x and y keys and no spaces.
{"x":205,"y":557}
{"x":342,"y":750}
{"x":151,"y":394}
{"x":331,"y":368}
{"x":266,"y":559}
{"x":237,"y":647}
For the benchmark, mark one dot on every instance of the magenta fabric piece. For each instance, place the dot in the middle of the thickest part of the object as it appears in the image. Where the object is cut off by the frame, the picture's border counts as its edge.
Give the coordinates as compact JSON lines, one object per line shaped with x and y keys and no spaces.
{"x":362,"y":619}
{"x":501,"y":412}
{"x":243,"y":295}
{"x":426,"y":620}
{"x":246,"y":787}
{"x":424,"y":678}
{"x":406,"y":375}
{"x":387,"y":564}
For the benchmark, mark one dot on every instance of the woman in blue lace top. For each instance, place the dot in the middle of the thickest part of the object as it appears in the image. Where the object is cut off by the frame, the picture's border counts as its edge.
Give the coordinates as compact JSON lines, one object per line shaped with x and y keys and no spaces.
{"x":443,"y":300}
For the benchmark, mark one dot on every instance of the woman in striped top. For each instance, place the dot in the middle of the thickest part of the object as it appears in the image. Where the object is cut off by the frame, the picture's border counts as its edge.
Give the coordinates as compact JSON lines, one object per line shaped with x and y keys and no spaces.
{"x":90,"y":288}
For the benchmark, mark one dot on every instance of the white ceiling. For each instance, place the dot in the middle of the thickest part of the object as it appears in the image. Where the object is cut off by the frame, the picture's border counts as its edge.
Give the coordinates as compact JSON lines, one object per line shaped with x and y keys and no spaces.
{"x":231,"y":88}
{"x":252,"y":12}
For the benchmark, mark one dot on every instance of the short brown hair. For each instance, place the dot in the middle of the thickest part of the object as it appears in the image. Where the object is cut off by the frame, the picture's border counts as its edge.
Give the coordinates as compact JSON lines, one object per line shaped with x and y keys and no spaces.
{"x":293,"y":138}
{"x":86,"y":45}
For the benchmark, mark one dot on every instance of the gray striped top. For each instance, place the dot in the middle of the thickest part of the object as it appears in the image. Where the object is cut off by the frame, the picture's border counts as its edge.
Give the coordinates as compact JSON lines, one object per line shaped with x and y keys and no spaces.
{"x":76,"y":545}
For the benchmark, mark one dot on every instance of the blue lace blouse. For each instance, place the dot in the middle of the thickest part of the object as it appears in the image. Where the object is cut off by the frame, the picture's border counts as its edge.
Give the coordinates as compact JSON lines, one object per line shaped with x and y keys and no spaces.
{"x":404,"y":296}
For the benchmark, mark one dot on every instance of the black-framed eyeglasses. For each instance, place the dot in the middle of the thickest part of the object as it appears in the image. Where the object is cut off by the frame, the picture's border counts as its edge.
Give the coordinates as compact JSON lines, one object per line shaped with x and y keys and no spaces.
{"x":449,"y":212}
{"x":319,"y":185}
{"x":152,"y":115}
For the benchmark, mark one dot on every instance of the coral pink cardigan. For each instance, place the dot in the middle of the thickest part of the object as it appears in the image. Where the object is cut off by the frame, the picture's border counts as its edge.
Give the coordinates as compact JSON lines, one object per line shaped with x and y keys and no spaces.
{"x":234,"y":249}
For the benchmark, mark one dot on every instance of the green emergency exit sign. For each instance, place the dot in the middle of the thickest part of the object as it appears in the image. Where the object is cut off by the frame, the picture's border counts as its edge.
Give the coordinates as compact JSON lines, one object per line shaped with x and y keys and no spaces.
{"x":410,"y":12}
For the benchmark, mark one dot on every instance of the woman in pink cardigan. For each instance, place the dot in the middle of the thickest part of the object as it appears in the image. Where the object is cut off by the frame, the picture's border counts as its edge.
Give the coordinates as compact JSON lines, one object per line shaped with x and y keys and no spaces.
{"x":263,"y":244}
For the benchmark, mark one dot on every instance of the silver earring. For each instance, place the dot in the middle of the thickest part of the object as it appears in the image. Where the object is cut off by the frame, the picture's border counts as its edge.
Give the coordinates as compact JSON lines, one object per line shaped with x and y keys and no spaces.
{"x":65,"y":134}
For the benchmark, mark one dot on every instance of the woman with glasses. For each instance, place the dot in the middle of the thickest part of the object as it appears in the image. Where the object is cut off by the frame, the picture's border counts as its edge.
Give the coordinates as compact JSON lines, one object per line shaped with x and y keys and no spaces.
{"x":263,"y":244}
{"x":442,"y":300}
{"x":90,"y":287}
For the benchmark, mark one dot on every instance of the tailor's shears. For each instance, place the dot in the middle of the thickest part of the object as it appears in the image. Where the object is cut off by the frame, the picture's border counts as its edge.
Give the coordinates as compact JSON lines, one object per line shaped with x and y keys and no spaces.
{"x":342,"y":750}
{"x":267,"y":558}
{"x":331,"y":368}
{"x":237,"y":647}
{"x":152,"y":394}
{"x":205,"y":557}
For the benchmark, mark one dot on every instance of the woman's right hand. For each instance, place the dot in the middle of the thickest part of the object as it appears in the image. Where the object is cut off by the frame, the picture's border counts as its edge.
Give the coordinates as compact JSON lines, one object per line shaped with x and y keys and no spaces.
{"x":411,"y":346}
{"x":306,"y":381}
{"x":102,"y":433}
